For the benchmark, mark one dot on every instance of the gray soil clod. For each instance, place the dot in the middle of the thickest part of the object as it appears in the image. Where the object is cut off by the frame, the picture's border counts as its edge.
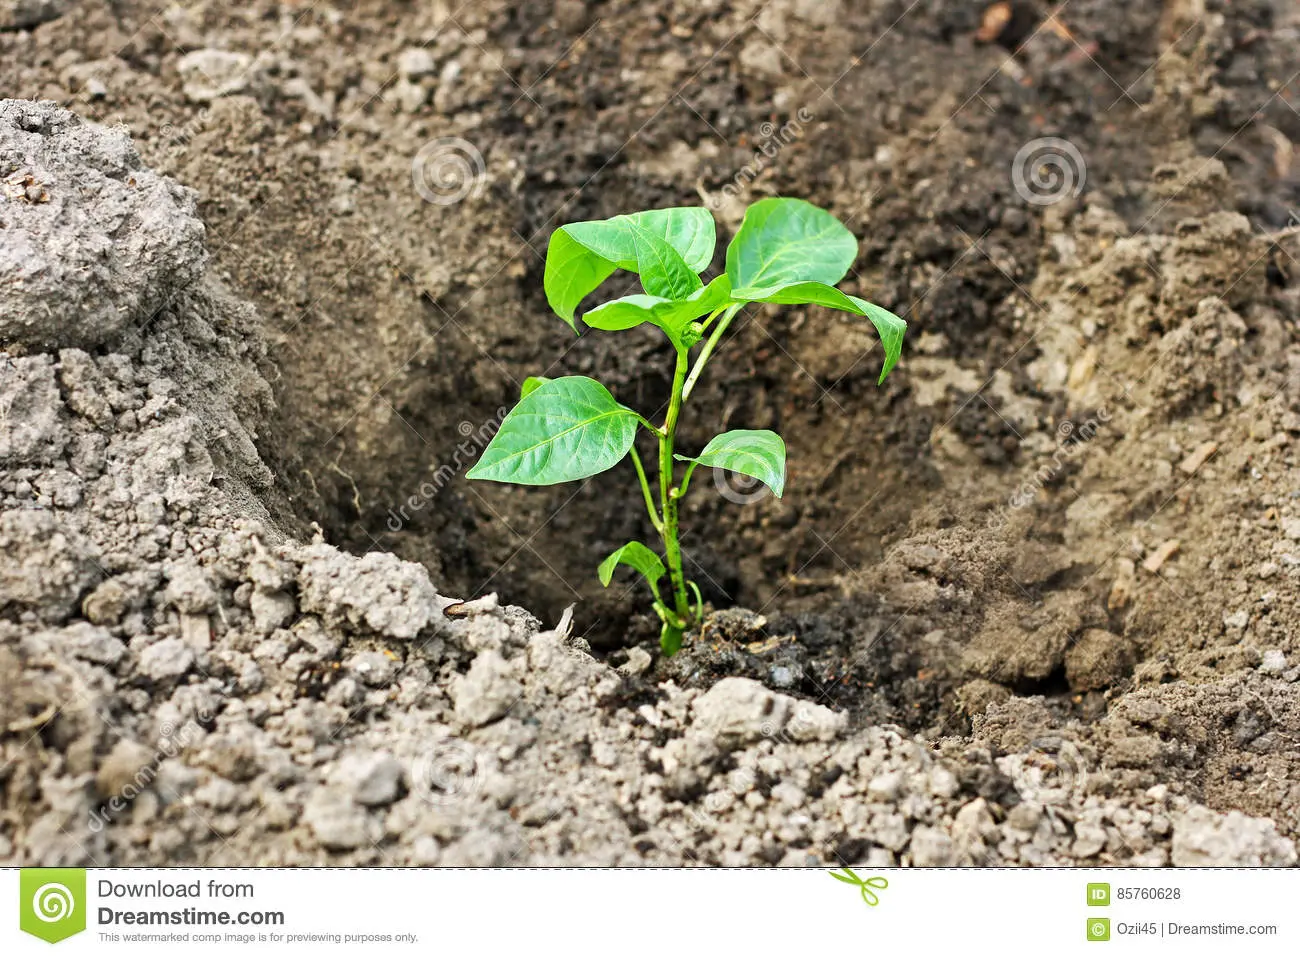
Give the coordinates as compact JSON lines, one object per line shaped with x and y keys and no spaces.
{"x":101,"y":242}
{"x":1043,"y":653}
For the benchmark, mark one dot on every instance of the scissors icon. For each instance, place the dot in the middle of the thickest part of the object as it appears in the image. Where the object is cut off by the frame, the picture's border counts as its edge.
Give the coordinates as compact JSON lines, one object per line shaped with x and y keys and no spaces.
{"x":868,"y":895}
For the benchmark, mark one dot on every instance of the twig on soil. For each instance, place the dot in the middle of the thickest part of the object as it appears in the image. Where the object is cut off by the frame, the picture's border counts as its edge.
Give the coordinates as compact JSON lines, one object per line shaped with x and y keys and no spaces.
{"x":474,"y":606}
{"x":356,"y":492}
{"x":1156,"y":560}
{"x":1199,"y":456}
{"x":46,"y":715}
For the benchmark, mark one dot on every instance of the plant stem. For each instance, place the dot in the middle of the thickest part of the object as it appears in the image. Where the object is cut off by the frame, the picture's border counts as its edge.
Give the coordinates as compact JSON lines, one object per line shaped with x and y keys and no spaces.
{"x":667,"y":496}
{"x":645,"y":490}
{"x":710,"y":345}
{"x":686,"y":480}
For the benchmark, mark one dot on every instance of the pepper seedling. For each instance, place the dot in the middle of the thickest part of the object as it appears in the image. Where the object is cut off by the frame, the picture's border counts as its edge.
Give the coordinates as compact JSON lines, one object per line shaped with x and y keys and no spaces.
{"x":786,"y":252}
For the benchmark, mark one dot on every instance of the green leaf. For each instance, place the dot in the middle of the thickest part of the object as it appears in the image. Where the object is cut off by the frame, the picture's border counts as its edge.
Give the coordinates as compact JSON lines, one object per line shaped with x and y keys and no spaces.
{"x":889,"y":326}
{"x":688,"y":229}
{"x":581,"y":256}
{"x":670,"y":639}
{"x":530,"y":385}
{"x":670,"y":316}
{"x":629,"y":312}
{"x":638,"y":556}
{"x":783,"y":241}
{"x":798,"y":294}
{"x":663,"y":271}
{"x":891,"y":330}
{"x":573,"y":271}
{"x":565,"y":429}
{"x":758,"y":453}
{"x":699,"y":600}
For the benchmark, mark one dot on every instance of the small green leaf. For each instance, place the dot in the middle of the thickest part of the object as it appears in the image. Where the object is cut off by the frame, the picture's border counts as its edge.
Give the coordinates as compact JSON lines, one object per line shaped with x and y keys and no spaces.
{"x":891,"y":330}
{"x":581,"y":256}
{"x":662,"y":269}
{"x":889,"y":326}
{"x":688,"y":229}
{"x":634,"y":555}
{"x":565,"y":429}
{"x":530,"y":385}
{"x":670,"y":316}
{"x":628,"y":312}
{"x":758,"y":453}
{"x":698,"y":611}
{"x":782,"y":241}
{"x":670,"y":639}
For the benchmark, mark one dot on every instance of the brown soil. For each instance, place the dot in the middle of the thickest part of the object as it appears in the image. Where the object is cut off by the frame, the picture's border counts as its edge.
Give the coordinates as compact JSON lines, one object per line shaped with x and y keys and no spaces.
{"x":988,"y":523}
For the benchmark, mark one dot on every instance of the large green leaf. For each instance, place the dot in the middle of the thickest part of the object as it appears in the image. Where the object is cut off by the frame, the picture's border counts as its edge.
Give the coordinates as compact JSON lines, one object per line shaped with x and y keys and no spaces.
{"x":563,"y":430}
{"x":889,"y":326}
{"x":758,"y":453}
{"x":634,"y":555}
{"x":583,"y":255}
{"x":783,"y":241}
{"x":670,"y":316}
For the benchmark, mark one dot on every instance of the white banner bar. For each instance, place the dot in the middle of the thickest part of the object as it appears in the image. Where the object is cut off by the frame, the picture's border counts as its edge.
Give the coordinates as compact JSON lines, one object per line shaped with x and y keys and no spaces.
{"x":651,"y":912}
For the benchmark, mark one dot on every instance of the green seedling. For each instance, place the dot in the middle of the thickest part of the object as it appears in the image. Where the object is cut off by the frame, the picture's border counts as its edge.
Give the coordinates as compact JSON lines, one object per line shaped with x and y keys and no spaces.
{"x":787,"y":252}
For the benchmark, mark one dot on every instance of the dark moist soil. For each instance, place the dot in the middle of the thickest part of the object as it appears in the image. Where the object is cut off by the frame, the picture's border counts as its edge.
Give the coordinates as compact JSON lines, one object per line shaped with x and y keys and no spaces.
{"x":893,"y":579}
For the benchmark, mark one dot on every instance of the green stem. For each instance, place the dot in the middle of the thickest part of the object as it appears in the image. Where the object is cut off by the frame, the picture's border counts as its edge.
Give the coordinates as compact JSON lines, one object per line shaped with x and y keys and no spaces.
{"x":708,"y":321}
{"x":645,"y":490}
{"x":667,"y":496}
{"x":647,"y":423}
{"x":686,"y":480}
{"x":710,"y":345}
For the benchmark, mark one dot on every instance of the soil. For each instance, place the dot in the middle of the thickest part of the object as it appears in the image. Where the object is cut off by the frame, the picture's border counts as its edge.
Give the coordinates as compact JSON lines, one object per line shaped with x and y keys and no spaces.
{"x":276,"y":275}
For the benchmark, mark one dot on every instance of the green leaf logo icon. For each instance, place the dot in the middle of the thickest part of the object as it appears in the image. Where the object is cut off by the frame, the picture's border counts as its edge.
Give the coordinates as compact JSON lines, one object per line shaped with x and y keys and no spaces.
{"x":52,"y":902}
{"x":867,"y":887}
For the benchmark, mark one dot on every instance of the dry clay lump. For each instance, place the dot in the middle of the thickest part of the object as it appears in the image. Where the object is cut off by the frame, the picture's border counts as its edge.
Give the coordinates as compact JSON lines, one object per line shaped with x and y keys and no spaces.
{"x":25,"y":14}
{"x":91,"y":242}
